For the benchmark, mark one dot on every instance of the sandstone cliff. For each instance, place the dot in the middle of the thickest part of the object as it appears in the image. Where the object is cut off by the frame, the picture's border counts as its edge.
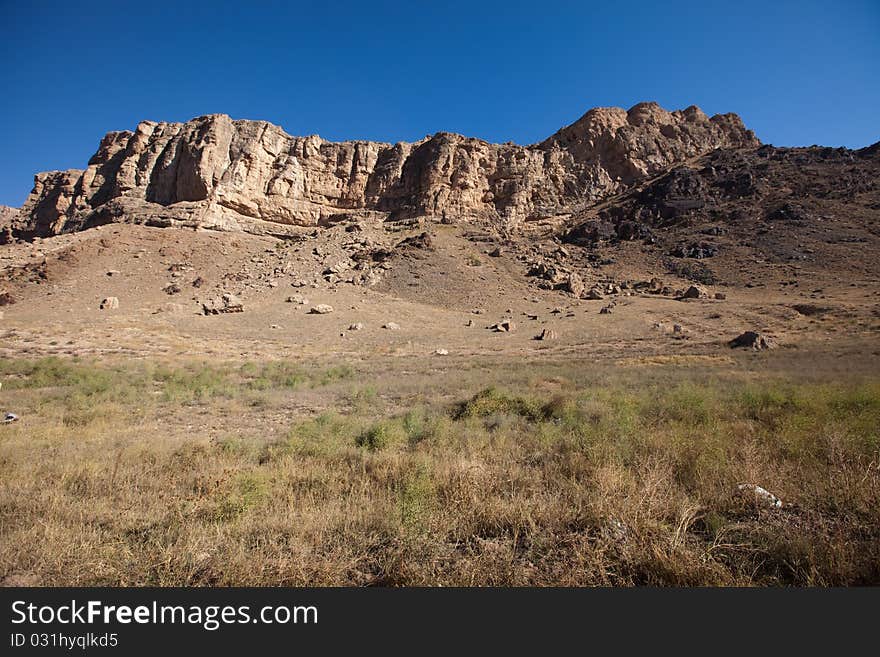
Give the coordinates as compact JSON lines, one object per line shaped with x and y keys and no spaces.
{"x":7,"y":217}
{"x":7,"y":214}
{"x":250,"y":175}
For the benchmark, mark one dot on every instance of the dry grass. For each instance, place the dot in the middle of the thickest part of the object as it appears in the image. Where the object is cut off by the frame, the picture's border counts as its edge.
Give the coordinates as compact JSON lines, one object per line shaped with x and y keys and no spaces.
{"x":132,"y":473}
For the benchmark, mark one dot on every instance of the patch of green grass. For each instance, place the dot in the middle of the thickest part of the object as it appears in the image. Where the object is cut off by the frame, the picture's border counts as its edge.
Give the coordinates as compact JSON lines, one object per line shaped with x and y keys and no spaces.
{"x":333,"y":374}
{"x":194,"y":383}
{"x":364,"y":399}
{"x":326,"y":436}
{"x":416,"y":500}
{"x":380,"y":435}
{"x":247,"y":491}
{"x":274,"y":375}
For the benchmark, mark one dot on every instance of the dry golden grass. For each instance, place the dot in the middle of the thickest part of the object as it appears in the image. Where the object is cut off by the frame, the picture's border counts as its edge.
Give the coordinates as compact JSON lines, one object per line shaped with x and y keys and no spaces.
{"x":132,"y":473}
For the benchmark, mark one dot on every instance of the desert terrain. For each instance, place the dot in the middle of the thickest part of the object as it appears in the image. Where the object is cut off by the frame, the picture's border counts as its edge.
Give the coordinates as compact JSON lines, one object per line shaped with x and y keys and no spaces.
{"x":437,"y":383}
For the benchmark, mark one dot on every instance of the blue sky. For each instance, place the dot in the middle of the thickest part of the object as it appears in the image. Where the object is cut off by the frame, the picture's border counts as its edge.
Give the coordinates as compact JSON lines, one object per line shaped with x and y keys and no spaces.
{"x":798,"y":73}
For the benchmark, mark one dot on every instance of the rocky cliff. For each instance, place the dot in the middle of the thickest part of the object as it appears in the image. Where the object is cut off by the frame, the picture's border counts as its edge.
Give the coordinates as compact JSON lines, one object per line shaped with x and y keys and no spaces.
{"x":217,"y":172}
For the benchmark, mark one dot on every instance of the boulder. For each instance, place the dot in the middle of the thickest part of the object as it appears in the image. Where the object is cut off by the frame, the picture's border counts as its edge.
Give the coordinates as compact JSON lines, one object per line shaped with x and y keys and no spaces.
{"x":595,"y":293}
{"x":575,"y":284}
{"x":321,"y":309}
{"x":695,"y":292}
{"x":752,"y":340}
{"x":505,"y":326}
{"x":225,"y":303}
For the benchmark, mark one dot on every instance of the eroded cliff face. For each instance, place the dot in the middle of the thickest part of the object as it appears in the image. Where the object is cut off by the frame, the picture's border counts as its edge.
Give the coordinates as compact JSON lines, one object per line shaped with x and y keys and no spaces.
{"x":215,"y":172}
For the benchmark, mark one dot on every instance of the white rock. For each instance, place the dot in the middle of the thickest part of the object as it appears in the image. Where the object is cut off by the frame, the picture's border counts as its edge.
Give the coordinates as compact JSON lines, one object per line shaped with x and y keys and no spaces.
{"x":761,"y":495}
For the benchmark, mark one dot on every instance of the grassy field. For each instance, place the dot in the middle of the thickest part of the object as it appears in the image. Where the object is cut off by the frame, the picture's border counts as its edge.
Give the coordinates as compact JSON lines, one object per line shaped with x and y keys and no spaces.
{"x":275,"y":473}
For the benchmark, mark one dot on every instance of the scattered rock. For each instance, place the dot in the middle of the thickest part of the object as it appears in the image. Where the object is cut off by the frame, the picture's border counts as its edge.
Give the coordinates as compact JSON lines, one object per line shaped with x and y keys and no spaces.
{"x":720,"y":296}
{"x":547,"y":334}
{"x":789,"y":212}
{"x":110,"y":303}
{"x":442,"y":352}
{"x":595,"y":293}
{"x":654,"y":286}
{"x":752,"y":340}
{"x":505,"y":326}
{"x":321,"y":309}
{"x":496,"y":252}
{"x":357,"y":326}
{"x":697,"y":250}
{"x":226,"y":303}
{"x":421,"y":241}
{"x":114,"y":272}
{"x":171,"y":288}
{"x":391,"y":326}
{"x":9,"y":418}
{"x":606,"y":310}
{"x":298,"y":299}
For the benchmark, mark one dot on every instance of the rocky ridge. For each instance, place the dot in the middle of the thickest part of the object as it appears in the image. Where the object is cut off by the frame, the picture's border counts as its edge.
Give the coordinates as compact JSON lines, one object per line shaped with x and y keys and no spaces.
{"x":217,"y":172}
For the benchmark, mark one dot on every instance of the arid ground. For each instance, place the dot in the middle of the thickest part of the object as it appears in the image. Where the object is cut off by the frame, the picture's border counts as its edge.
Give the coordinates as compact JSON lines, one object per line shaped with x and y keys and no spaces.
{"x":158,"y":445}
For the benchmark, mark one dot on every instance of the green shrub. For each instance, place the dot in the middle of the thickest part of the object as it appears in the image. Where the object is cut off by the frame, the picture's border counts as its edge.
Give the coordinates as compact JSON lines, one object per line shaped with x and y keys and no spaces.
{"x":379,"y":436}
{"x":492,"y":401}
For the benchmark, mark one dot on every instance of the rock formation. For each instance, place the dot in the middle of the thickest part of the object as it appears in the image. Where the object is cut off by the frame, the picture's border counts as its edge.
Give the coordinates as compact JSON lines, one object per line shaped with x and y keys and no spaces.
{"x":7,"y":214}
{"x":250,"y":175}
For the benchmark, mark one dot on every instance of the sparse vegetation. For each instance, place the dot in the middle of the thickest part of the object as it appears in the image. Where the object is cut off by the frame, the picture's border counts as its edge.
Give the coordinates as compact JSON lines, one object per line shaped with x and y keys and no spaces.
{"x":135,"y":474}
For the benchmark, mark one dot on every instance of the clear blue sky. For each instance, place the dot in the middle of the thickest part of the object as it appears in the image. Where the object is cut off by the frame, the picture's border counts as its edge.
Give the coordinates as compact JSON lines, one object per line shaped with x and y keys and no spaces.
{"x":798,"y":73}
